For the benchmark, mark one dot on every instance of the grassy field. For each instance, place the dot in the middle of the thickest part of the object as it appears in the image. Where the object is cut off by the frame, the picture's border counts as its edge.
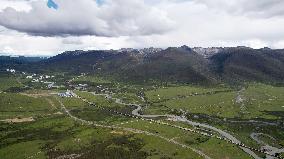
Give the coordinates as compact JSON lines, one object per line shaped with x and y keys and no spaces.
{"x":220,"y":149}
{"x":53,"y":135}
{"x":101,"y":101}
{"x":57,"y":136}
{"x":7,"y":82}
{"x":29,"y":149}
{"x":128,"y":98}
{"x":97,"y":99}
{"x":212,"y":147}
{"x":92,"y":79}
{"x":16,"y":105}
{"x":258,"y":101}
{"x":73,"y":103}
{"x":167,"y":93}
{"x":261,"y":99}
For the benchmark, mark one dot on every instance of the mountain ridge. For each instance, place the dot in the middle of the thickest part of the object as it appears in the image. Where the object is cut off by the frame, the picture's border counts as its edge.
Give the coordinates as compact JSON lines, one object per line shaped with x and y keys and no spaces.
{"x":174,"y":64}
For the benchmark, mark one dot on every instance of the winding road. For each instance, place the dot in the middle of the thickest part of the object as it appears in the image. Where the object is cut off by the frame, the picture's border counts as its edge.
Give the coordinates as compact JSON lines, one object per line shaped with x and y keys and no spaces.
{"x":223,"y":133}
{"x":130,"y":130}
{"x":267,"y":147}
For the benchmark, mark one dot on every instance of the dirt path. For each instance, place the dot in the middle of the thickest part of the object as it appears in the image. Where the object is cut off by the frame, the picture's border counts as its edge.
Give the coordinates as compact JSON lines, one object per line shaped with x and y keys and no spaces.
{"x":19,"y":120}
{"x":130,"y":130}
{"x":225,"y":135}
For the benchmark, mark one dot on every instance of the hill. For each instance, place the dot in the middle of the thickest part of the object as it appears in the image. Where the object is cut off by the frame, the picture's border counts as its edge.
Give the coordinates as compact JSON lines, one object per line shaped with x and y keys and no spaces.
{"x":246,"y":64}
{"x":174,"y":64}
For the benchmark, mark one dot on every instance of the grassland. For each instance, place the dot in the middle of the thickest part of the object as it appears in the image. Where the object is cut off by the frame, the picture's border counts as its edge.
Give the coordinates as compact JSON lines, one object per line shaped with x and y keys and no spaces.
{"x":92,"y":79}
{"x":52,"y":134}
{"x":166,"y":93}
{"x":14,"y":105}
{"x":258,"y":100}
{"x":23,"y":150}
{"x":261,"y":99}
{"x":199,"y":142}
{"x":98,"y":99}
{"x":8,"y":81}
{"x":128,"y":98}
{"x":57,"y":136}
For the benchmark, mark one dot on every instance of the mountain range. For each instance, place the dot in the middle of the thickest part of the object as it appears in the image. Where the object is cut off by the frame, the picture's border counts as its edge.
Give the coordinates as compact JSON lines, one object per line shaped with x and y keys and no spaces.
{"x":174,"y":64}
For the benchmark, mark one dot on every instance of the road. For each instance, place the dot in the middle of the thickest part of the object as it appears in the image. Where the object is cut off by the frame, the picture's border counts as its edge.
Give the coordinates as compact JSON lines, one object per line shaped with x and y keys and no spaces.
{"x":267,"y":147}
{"x":130,"y":130}
{"x":223,"y":133}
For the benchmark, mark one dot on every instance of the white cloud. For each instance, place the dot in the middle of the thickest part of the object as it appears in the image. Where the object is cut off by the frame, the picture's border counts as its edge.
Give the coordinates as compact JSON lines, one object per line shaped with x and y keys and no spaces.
{"x":14,"y":43}
{"x":199,"y":25}
{"x":278,"y":44}
{"x":86,"y":17}
{"x":17,"y":5}
{"x":254,"y":8}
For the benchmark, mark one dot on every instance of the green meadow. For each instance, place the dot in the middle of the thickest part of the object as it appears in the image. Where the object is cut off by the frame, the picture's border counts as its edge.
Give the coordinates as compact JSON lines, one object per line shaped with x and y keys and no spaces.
{"x":54,"y":134}
{"x":259,"y":101}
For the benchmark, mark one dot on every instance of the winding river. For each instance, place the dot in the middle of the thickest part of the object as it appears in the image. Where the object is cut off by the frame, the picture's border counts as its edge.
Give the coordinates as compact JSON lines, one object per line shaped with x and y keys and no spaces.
{"x":185,"y":120}
{"x":267,"y":147}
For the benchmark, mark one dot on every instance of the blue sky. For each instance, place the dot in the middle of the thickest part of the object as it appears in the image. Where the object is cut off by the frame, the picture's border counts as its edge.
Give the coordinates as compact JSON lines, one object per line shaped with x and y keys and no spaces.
{"x":52,"y":26}
{"x":52,"y":4}
{"x":100,"y":2}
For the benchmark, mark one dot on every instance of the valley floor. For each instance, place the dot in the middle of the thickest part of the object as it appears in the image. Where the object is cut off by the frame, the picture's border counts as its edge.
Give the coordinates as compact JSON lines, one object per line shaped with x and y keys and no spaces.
{"x":99,"y":118}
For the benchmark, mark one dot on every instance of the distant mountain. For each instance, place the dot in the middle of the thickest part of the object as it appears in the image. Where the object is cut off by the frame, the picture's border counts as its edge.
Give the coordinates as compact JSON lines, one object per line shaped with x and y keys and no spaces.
{"x":248,"y":64}
{"x":9,"y":61}
{"x":174,"y":64}
{"x":207,"y":52}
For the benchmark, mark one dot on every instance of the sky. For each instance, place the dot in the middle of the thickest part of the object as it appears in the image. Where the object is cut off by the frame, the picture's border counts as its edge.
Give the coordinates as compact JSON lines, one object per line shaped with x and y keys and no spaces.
{"x":49,"y":27}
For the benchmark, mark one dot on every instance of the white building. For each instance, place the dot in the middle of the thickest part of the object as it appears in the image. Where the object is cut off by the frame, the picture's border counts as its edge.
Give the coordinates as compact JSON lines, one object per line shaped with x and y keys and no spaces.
{"x":35,"y":80}
{"x":67,"y":94}
{"x":11,"y":70}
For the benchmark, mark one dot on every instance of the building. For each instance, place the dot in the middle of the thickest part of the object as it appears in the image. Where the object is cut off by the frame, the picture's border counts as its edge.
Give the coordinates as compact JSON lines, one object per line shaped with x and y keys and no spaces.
{"x":67,"y":94}
{"x":11,"y":70}
{"x":35,"y":80}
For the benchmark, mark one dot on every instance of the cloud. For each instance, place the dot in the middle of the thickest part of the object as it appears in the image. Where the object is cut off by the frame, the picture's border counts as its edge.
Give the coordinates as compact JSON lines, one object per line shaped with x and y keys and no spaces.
{"x":86,"y":17}
{"x":72,"y":41}
{"x":251,"y":8}
{"x":199,"y":25}
{"x":16,"y":4}
{"x":22,"y":44}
